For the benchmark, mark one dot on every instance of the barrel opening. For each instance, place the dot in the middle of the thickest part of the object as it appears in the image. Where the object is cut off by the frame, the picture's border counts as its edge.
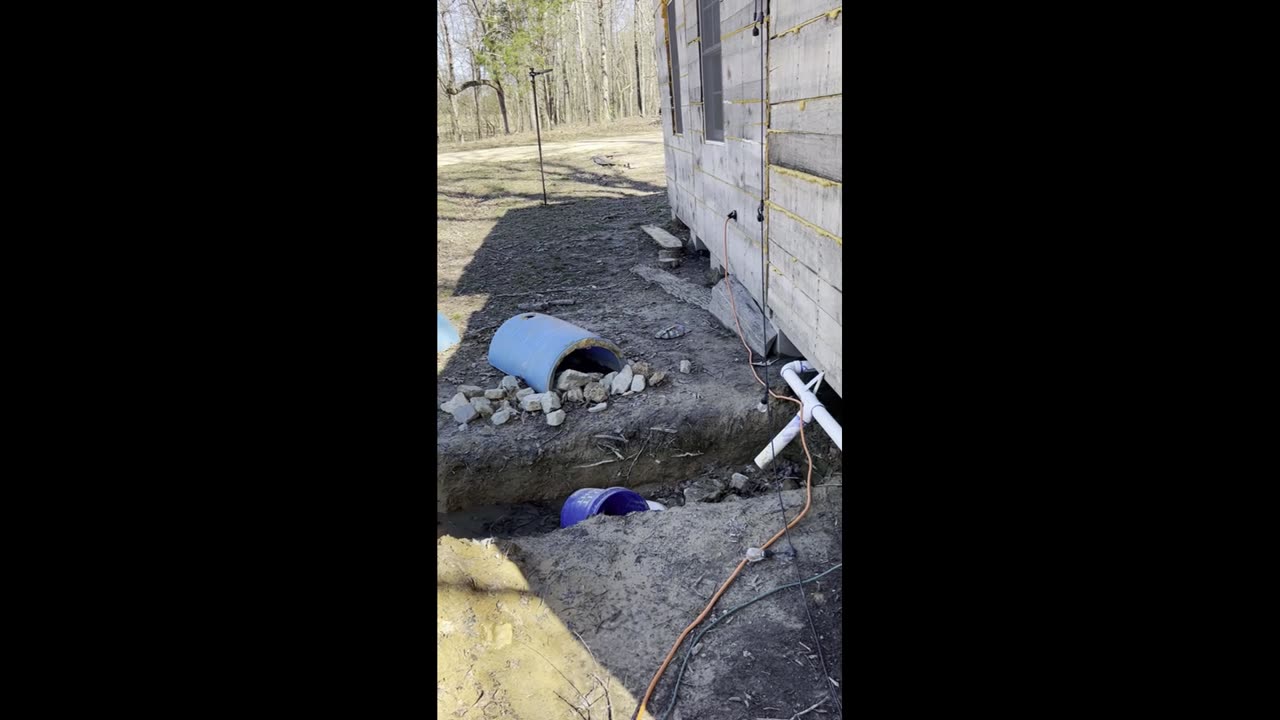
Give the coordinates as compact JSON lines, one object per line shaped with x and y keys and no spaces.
{"x":590,"y":359}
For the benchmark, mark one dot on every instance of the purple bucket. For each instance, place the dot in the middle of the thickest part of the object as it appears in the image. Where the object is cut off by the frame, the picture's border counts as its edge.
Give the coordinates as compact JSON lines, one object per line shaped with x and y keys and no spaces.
{"x":593,"y":501}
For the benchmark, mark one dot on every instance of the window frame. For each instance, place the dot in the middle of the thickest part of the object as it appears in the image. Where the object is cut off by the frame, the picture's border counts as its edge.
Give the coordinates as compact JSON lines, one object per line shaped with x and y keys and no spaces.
{"x":673,"y":67}
{"x":702,"y":69}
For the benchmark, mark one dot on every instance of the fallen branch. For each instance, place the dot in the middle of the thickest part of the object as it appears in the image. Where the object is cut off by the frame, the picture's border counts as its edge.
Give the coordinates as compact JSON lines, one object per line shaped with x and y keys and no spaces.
{"x":544,"y":304}
{"x":810,"y":709}
{"x":610,"y":449}
{"x":602,"y":462}
{"x":687,"y":454}
{"x":637,"y":457}
{"x":608,"y":700}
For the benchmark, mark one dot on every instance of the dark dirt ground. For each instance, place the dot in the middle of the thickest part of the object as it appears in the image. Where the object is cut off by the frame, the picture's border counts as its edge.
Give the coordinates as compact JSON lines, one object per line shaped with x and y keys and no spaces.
{"x":524,"y":606}
{"x":499,"y":247}
{"x":609,"y":596}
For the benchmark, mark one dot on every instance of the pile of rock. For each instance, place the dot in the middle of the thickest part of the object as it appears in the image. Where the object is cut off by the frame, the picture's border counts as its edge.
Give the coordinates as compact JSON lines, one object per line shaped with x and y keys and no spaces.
{"x":474,"y":402}
{"x":572,"y":387}
{"x":633,"y":378}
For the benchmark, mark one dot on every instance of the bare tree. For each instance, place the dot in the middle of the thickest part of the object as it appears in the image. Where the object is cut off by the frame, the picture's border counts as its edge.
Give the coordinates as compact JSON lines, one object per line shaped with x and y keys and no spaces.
{"x":635,"y":33}
{"x":582,"y":60}
{"x":607,"y":115}
{"x":448,"y":60}
{"x":475,"y":90}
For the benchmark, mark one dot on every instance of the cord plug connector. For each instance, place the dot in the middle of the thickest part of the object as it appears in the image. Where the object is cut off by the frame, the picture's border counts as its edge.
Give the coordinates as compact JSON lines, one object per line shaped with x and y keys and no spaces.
{"x":733,"y":214}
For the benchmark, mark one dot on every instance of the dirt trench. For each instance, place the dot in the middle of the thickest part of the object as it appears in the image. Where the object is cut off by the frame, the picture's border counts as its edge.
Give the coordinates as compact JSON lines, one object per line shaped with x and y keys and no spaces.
{"x":536,"y":621}
{"x":575,"y":622}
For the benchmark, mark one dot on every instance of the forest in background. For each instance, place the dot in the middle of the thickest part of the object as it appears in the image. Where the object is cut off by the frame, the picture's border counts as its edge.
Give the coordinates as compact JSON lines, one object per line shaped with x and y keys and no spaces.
{"x":600,"y":51}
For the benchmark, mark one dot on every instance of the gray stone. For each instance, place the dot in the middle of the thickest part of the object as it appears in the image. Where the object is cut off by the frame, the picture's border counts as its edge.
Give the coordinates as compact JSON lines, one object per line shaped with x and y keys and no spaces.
{"x":555,"y":418}
{"x":465,"y":413}
{"x":598,"y":408}
{"x":607,"y":382}
{"x":501,"y":416}
{"x":656,"y":379}
{"x":790,"y":484}
{"x":622,"y":382}
{"x":637,"y":383}
{"x":730,"y":498}
{"x":510,"y":383}
{"x":595,"y":392}
{"x":523,"y":393}
{"x":496,"y":394}
{"x":550,"y":401}
{"x":686,"y":367}
{"x":531,"y":403}
{"x":641,"y":368}
{"x":482,"y":406}
{"x":704,"y":490}
{"x":570,"y":379}
{"x":470,"y":390}
{"x":574,"y":395}
{"x":739,"y":481}
{"x":505,"y":405}
{"x":454,"y":403}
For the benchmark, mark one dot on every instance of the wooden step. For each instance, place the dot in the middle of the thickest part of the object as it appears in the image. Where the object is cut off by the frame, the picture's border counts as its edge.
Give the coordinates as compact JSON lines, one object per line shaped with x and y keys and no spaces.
{"x":663,"y":238}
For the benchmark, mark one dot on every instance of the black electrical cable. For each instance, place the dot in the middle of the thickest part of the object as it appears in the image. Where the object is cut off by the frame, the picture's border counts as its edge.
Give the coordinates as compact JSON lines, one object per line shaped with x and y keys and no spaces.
{"x":675,"y":694}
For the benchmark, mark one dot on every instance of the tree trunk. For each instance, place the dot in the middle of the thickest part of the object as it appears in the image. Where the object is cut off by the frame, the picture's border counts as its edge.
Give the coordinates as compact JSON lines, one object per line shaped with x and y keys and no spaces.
{"x":635,"y":28}
{"x":582,"y":60}
{"x":551,"y":101}
{"x":475,"y":92}
{"x":533,"y":108}
{"x":502,"y":106}
{"x":607,"y":115}
{"x":448,"y":58}
{"x":566,"y":89}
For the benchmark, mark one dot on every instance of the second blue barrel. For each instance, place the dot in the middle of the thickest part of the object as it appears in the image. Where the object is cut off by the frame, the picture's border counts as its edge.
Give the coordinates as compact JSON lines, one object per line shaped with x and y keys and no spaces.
{"x":589,"y":502}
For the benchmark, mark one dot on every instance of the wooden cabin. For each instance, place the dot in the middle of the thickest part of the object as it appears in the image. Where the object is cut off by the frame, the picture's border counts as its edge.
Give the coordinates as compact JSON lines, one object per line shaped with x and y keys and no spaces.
{"x":723,"y":126}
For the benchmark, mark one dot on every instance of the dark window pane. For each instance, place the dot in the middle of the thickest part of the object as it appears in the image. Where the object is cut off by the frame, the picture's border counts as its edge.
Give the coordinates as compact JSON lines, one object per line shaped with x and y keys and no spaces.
{"x":673,"y":68}
{"x":712,"y":79}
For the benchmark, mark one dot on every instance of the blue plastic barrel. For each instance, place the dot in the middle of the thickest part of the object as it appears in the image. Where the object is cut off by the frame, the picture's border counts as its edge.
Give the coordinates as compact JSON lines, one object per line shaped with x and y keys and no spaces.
{"x":589,"y":502}
{"x":532,"y":346}
{"x":446,"y":336}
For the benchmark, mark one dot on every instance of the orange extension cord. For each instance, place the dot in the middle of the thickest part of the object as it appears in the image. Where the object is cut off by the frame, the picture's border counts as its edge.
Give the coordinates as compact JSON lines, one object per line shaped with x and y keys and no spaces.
{"x":643,"y":712}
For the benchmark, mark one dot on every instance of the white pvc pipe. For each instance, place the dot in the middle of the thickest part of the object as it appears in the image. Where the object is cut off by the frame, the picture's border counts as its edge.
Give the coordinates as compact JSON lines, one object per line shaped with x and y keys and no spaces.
{"x":783,"y":439}
{"x":811,"y":409}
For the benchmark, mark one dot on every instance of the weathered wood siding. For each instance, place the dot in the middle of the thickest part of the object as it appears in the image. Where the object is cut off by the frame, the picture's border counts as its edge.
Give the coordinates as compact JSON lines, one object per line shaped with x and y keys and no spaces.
{"x":799,"y":139}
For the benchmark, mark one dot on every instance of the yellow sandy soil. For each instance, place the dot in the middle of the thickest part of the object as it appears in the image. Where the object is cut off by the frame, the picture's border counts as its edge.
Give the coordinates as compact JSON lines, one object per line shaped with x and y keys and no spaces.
{"x":502,"y":653}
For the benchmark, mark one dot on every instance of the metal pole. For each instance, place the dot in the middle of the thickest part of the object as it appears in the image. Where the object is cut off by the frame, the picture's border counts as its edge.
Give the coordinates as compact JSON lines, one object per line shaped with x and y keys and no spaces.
{"x":533,"y":80}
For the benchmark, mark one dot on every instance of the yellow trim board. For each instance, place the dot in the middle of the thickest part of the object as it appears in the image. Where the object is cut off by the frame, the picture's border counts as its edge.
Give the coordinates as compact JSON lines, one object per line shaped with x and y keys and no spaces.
{"x":808,"y":99}
{"x":805,"y":176}
{"x":830,"y":15}
{"x":775,"y":206}
{"x":735,"y":32}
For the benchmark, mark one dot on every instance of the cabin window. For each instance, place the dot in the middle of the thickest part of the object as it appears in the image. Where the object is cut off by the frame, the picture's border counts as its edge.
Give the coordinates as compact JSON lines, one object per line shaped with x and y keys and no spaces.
{"x":673,"y":66}
{"x":712,"y":83}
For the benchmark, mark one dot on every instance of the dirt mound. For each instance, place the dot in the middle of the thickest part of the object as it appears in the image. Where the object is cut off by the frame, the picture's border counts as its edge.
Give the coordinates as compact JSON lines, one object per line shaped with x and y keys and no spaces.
{"x":603,"y":601}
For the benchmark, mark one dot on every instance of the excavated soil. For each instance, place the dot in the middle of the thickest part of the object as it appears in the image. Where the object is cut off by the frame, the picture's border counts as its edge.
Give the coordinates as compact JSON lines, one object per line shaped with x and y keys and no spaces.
{"x":539,"y":622}
{"x":499,"y":247}
{"x":541,"y":626}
